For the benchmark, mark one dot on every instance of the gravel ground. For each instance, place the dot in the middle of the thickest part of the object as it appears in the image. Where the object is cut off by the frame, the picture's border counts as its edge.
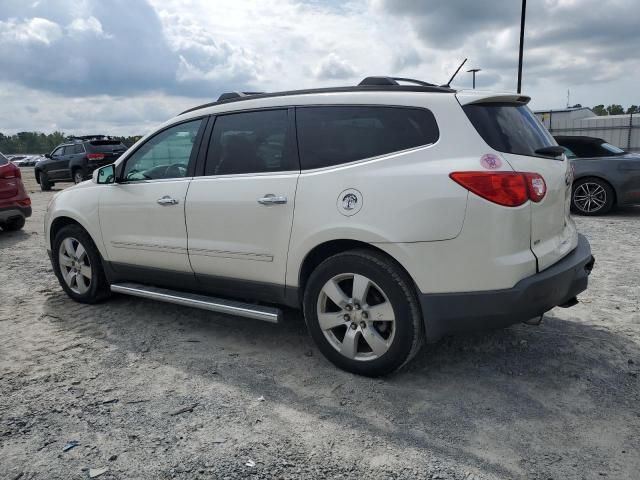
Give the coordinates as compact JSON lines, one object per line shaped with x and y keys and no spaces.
{"x":156,"y":391}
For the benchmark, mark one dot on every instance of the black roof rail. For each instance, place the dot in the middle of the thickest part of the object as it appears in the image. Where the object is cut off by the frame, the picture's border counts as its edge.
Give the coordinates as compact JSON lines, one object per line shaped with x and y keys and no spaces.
{"x":82,"y":138}
{"x":232,"y":95}
{"x":394,"y":81}
{"x":426,"y":87}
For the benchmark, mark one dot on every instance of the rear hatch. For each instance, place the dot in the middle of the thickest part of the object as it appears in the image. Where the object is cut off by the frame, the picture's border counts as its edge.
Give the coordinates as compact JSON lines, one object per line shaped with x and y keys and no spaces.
{"x":508,"y":126}
{"x":9,"y":178}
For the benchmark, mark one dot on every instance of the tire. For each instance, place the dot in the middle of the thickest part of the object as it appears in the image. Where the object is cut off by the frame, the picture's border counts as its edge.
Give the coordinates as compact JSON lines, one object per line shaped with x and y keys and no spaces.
{"x":14,"y":224}
{"x":45,"y":184}
{"x":347,"y":341}
{"x":77,"y":176}
{"x":592,"y":196}
{"x":80,"y":288}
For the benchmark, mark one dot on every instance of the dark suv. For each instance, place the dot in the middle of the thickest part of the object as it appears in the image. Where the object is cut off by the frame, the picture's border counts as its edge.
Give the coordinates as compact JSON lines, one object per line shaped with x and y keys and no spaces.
{"x":77,"y":159}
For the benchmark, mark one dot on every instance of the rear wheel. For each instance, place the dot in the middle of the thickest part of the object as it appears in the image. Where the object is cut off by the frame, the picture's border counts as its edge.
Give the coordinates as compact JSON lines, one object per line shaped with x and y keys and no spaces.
{"x":362,"y":313}
{"x":78,"y":265}
{"x":45,"y":184}
{"x":77,"y":176}
{"x":14,"y":224}
{"x":591,"y":196}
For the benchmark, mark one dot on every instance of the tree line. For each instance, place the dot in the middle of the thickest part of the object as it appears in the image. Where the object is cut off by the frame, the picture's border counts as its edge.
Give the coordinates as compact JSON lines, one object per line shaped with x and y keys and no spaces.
{"x":38,"y":142}
{"x":613,"y":109}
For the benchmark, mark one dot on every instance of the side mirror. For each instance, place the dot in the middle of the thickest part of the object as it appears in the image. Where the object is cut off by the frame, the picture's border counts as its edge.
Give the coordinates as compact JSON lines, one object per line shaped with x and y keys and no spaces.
{"x":104,"y":175}
{"x":47,"y":155}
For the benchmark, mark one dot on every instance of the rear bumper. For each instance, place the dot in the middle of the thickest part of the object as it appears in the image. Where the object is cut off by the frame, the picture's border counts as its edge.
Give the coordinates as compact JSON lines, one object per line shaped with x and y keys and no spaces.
{"x":7,"y":213}
{"x":531,"y":297}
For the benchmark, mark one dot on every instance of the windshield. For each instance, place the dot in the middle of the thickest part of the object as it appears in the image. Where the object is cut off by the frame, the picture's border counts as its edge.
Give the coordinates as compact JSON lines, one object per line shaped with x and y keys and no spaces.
{"x":509,"y":128}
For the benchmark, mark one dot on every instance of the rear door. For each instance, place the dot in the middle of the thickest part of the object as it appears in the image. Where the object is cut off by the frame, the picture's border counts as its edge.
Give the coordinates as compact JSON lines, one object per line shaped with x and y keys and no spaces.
{"x":239,"y":213}
{"x":508,"y":126}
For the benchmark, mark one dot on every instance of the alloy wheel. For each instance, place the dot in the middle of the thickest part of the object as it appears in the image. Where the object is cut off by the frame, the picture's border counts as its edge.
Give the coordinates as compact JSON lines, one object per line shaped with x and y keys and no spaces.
{"x":356,"y":317}
{"x":75,"y":265}
{"x":77,"y":177}
{"x":589,"y":197}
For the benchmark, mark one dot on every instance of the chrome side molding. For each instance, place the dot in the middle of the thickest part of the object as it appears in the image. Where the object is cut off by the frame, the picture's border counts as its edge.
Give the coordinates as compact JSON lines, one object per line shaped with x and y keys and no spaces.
{"x":213,"y":304}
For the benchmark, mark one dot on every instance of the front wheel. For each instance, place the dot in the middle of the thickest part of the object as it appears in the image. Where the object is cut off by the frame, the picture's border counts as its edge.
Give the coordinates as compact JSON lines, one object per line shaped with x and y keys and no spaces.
{"x":592,"y":196}
{"x":45,"y":184}
{"x":78,"y":265}
{"x":362,"y":312}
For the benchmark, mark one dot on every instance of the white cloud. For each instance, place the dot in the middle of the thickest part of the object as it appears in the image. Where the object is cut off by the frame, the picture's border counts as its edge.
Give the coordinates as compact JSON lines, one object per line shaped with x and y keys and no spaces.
{"x":87,"y":25}
{"x":34,"y":30}
{"x":333,"y":67}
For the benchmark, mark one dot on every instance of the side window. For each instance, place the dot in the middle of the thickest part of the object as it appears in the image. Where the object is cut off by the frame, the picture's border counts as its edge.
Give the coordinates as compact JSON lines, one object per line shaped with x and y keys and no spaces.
{"x":166,"y":155}
{"x":78,"y":148}
{"x":58,"y":151}
{"x":250,"y":142}
{"x":335,"y":134}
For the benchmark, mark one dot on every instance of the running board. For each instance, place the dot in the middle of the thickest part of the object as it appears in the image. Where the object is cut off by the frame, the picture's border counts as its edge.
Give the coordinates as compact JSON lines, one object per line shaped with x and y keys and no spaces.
{"x":213,"y":304}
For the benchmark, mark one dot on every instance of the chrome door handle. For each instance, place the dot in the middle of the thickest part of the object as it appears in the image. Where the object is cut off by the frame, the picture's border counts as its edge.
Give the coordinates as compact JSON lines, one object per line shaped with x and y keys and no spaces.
{"x":271,"y":199}
{"x":167,"y":200}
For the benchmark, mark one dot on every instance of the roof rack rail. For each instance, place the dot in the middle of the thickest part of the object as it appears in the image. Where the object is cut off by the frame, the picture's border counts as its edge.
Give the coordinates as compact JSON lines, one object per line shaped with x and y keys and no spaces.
{"x":394,"y":81}
{"x":82,"y":138}
{"x":231,"y":95}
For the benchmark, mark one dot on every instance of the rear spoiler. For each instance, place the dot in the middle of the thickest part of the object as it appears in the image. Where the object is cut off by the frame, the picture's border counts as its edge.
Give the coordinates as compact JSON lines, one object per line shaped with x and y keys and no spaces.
{"x":473,"y":97}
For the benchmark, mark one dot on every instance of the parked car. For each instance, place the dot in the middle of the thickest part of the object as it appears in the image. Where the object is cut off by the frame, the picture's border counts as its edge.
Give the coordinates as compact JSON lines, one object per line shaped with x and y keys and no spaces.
{"x":75,"y":160}
{"x":605,"y":175}
{"x":31,"y":160}
{"x":15,"y":204}
{"x":402,"y":232}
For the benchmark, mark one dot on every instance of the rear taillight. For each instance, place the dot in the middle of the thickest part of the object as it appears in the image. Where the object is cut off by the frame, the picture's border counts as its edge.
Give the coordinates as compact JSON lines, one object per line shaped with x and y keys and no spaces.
{"x":95,"y":156}
{"x":10,"y":171}
{"x":536,"y":185}
{"x":510,"y":189}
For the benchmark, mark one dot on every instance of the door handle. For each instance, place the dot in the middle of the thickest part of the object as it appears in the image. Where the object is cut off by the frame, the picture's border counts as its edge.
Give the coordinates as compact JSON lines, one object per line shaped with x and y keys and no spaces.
{"x":271,"y":199}
{"x":167,"y":200}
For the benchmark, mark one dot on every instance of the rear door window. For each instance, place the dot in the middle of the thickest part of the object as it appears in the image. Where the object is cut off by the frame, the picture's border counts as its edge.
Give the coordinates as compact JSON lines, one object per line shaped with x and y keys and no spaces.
{"x":78,"y":148}
{"x":251,"y":142}
{"x":509,"y":128}
{"x":334,"y":135}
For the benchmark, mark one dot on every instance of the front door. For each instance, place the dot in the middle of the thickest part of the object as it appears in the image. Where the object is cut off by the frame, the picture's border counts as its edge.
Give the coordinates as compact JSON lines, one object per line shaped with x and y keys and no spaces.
{"x":58,"y":168}
{"x":142,"y":215}
{"x":239,"y":214}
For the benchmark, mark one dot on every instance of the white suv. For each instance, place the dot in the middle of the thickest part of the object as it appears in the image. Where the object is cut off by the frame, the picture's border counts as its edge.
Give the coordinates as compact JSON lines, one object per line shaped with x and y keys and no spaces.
{"x":390,"y":214}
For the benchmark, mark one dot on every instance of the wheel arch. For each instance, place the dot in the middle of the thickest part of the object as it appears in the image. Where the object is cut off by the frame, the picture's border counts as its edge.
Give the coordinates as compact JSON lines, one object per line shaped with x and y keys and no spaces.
{"x":326,"y":249}
{"x":62,"y":221}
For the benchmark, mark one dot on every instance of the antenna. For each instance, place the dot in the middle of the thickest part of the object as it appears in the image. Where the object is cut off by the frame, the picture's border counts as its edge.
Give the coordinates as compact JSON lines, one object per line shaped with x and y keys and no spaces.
{"x":454,"y":75}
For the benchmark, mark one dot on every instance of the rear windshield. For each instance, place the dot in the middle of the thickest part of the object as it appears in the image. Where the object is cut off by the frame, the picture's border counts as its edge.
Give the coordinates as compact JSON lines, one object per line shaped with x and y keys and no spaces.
{"x":509,"y":128}
{"x":106,"y":145}
{"x":3,"y":160}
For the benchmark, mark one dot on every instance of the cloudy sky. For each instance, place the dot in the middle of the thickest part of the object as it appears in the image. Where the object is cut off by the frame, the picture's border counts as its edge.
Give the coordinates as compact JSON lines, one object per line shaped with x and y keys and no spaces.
{"x":123,"y":66}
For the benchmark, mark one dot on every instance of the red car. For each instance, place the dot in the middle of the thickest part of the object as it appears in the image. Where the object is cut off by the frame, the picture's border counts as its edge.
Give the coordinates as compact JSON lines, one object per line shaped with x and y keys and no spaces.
{"x":15,"y":204}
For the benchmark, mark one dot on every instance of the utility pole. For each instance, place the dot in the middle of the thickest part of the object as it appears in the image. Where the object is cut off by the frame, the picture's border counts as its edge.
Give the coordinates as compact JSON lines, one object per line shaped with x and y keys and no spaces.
{"x":474,"y":71}
{"x":524,"y":9}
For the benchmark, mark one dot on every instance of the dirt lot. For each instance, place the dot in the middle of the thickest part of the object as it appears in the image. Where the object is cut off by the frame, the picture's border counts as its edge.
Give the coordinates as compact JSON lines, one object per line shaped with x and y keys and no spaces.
{"x":558,"y":401}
